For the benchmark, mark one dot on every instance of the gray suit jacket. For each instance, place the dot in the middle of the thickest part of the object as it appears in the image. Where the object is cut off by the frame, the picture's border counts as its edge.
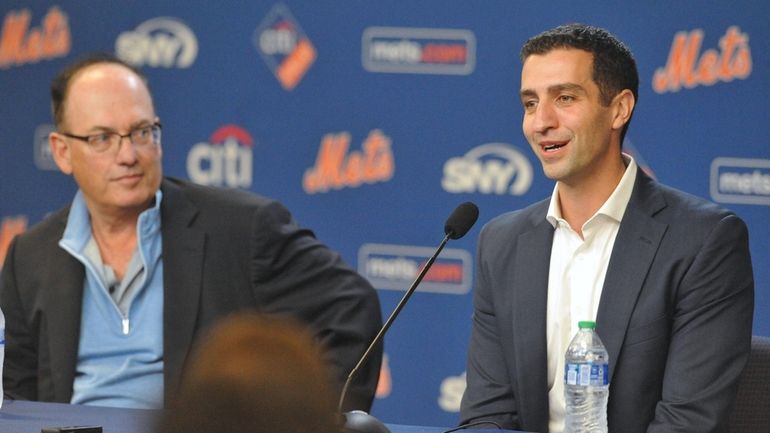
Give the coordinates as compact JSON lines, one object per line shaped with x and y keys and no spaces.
{"x":675,"y":315}
{"x":223,"y":251}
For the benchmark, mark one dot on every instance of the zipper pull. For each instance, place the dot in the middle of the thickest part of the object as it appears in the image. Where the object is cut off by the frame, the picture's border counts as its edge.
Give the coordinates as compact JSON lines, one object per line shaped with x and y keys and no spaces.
{"x":125,"y":326}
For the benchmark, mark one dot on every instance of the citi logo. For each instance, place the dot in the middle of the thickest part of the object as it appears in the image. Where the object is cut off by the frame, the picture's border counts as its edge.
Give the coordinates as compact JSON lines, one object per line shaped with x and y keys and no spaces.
{"x":226,"y":160}
{"x":492,"y":168}
{"x":741,"y":180}
{"x":418,"y":50}
{"x":162,"y":42}
{"x":285,"y":48}
{"x":394,"y":267}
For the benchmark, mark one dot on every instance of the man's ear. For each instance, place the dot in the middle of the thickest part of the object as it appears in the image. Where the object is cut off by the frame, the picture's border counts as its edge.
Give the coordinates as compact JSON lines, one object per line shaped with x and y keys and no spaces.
{"x":60,"y":149}
{"x":623,"y":105}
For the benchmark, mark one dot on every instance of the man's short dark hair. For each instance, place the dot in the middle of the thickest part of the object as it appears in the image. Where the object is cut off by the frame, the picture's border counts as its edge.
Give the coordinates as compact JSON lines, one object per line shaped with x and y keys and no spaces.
{"x":614,"y":67}
{"x":61,"y":83}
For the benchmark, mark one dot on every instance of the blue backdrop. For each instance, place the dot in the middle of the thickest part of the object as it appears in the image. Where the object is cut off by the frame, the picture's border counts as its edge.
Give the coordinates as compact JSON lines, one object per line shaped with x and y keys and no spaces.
{"x":372,"y":120}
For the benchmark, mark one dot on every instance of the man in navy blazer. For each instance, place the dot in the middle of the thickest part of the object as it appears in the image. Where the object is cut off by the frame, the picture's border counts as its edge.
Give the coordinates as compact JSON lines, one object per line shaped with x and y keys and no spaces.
{"x":105,"y":298}
{"x":667,"y":276}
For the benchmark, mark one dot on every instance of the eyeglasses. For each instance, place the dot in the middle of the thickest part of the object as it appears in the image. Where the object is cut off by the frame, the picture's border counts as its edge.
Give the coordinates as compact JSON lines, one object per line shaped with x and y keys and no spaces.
{"x":140,"y":137}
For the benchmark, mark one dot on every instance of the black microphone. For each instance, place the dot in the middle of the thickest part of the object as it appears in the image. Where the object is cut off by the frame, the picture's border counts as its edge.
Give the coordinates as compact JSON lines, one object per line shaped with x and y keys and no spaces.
{"x":457,"y":225}
{"x":461,"y":220}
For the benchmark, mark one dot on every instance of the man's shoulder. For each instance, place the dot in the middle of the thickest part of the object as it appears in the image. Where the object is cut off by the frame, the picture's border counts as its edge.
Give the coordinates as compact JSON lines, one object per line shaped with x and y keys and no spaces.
{"x":220,"y":210}
{"x":50,"y":229}
{"x":686,"y":208}
{"x":518,"y":220}
{"x":203,"y":196}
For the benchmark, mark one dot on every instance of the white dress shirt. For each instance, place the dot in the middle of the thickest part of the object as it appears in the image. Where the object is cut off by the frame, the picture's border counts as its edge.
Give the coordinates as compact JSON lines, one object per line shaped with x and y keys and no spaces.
{"x":575,"y":279}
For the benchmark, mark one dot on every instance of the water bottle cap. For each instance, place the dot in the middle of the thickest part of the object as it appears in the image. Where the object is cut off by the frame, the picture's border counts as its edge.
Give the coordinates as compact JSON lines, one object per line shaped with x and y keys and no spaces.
{"x":583,"y":324}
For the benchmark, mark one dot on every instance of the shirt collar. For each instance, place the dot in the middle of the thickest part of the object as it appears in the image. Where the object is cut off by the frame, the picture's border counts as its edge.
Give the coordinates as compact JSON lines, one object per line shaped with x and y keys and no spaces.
{"x":614,"y":207}
{"x":77,"y":232}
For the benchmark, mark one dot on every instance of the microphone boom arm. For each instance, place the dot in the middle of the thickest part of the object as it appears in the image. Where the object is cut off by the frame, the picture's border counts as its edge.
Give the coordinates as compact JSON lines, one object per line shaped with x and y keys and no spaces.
{"x":392,"y":317}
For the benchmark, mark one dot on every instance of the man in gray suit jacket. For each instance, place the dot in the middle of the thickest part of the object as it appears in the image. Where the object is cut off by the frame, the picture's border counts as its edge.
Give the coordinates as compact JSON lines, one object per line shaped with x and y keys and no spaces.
{"x":105,"y":298}
{"x":666,"y":276}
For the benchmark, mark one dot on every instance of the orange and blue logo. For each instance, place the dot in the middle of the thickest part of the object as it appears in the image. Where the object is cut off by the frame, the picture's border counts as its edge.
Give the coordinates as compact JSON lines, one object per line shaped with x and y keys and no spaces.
{"x":418,"y":50}
{"x":629,"y":148}
{"x":225,"y":160}
{"x":20,"y":44}
{"x":9,"y":228}
{"x":385,"y":382}
{"x":283,"y":45}
{"x":688,"y":67}
{"x":337,"y":167}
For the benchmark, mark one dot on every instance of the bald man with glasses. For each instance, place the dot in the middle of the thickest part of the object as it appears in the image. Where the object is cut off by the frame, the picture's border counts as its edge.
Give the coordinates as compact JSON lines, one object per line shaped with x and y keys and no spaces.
{"x":104,"y":298}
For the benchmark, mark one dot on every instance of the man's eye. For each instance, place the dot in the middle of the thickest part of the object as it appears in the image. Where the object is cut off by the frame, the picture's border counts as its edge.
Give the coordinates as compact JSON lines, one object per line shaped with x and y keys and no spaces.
{"x":566,"y":98}
{"x":100,"y":138}
{"x":143,"y":132}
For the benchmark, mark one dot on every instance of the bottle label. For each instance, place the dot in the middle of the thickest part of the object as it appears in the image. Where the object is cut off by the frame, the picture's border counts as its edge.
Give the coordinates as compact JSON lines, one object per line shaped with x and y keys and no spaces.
{"x":586,"y":374}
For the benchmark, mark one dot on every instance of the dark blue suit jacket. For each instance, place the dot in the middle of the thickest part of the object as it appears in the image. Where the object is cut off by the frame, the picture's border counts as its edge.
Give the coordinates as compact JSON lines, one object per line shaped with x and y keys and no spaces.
{"x":223,"y":251}
{"x":675,"y":315}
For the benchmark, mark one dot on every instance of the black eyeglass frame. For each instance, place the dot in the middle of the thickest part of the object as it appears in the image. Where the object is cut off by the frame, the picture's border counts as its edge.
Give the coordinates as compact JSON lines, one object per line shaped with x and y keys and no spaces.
{"x":155,"y":127}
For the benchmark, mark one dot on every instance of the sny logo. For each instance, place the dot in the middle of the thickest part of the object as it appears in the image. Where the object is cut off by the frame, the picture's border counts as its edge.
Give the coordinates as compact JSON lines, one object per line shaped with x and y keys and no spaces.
{"x":335,"y":168}
{"x":452,"y":390}
{"x":492,"y":168}
{"x":224,"y":161}
{"x":160,"y":42}
{"x":284,"y":46}
{"x":20,"y":45}
{"x":687,"y":67}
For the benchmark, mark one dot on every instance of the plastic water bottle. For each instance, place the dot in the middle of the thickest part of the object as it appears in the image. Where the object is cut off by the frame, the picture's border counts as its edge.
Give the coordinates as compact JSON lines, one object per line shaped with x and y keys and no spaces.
{"x":586,"y":382}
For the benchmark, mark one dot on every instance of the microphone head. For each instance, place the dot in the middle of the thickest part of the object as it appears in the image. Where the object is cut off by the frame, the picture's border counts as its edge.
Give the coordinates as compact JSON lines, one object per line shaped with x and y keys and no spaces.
{"x":461,"y":220}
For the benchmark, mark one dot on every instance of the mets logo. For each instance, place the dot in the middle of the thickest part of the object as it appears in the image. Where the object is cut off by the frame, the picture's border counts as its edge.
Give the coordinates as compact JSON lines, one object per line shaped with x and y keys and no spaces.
{"x":338,"y":167}
{"x":284,"y":46}
{"x":418,"y":50}
{"x":741,"y":180}
{"x":688,"y":67}
{"x":20,"y":43}
{"x":394,"y":267}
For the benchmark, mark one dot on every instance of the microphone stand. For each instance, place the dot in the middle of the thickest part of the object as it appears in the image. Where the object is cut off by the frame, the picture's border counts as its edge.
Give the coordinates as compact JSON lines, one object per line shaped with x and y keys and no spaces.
{"x":358,"y":421}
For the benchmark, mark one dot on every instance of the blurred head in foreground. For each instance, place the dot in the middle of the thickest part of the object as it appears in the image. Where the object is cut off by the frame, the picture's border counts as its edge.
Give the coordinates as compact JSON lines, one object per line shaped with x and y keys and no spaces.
{"x":254,"y":374}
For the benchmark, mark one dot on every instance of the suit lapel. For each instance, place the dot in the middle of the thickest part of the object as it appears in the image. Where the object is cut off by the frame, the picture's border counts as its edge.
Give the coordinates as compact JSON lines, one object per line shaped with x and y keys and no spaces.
{"x":530,"y":293}
{"x":635,"y":247}
{"x":64,"y":303}
{"x":183,"y":251}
